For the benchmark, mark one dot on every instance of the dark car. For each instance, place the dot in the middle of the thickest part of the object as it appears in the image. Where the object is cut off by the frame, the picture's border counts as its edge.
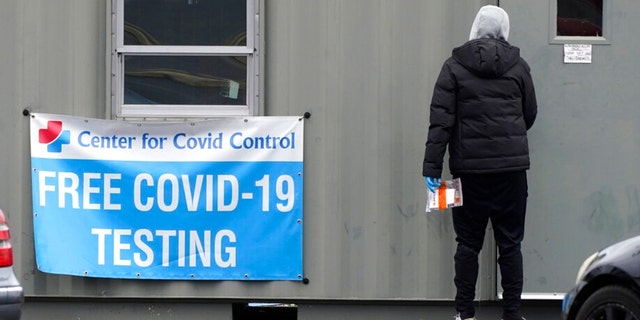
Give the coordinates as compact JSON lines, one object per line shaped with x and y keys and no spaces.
{"x":11,"y":294}
{"x":608,"y":285}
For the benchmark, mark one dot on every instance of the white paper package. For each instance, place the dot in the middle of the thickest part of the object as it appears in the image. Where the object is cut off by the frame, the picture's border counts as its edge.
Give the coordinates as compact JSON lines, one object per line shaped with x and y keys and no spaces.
{"x":448,"y":195}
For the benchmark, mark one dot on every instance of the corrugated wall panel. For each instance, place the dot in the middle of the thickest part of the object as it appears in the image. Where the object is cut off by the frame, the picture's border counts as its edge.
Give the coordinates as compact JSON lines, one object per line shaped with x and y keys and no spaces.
{"x":585,"y":141}
{"x":363,"y":68}
{"x":55,"y":56}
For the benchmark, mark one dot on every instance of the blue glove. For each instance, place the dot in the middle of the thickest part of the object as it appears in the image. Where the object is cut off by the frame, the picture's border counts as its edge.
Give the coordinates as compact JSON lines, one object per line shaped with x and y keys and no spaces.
{"x":432,"y":183}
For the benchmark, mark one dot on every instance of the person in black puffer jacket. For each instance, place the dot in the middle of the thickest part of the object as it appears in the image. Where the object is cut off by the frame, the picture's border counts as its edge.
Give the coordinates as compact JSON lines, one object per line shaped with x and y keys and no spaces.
{"x":482,"y":106}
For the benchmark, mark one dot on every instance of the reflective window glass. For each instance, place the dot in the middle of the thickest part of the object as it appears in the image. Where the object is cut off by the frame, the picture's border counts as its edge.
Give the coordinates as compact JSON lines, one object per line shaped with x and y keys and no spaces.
{"x":580,"y":18}
{"x":185,"y":22}
{"x":185,"y":80}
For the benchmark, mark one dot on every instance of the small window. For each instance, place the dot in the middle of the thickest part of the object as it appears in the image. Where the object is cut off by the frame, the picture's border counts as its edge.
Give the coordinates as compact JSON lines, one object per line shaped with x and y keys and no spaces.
{"x":580,"y":21}
{"x":579,"y":18}
{"x":185,"y":58}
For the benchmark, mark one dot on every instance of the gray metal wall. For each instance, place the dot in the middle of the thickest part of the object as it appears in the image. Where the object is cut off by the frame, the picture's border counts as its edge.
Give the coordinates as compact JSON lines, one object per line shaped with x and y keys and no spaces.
{"x":52,"y":60}
{"x":363,"y":68}
{"x":584,"y":179}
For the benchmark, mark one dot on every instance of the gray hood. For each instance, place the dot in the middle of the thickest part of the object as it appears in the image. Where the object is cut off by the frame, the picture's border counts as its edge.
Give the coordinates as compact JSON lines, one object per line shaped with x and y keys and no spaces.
{"x":487,"y":53}
{"x":490,"y":22}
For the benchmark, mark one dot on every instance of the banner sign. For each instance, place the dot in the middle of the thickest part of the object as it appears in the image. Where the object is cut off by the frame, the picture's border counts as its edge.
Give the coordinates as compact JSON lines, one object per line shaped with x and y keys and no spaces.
{"x":208,"y":200}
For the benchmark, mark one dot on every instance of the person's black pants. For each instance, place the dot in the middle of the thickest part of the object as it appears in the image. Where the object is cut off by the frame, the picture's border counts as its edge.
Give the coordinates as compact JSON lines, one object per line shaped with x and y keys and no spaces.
{"x":501,"y":198}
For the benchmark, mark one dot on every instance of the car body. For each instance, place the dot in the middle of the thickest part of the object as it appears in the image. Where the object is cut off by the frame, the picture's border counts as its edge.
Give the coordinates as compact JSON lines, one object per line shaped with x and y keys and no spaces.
{"x":11,"y":293}
{"x":608,"y":284}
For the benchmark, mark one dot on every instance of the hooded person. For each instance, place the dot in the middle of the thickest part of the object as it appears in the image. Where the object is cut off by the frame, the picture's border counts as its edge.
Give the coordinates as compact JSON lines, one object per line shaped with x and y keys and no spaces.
{"x":482,"y":106}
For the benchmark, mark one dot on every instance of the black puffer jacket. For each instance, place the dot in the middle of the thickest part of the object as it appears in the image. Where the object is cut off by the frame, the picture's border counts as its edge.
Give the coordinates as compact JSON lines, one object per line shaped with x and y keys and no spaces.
{"x":482,"y":106}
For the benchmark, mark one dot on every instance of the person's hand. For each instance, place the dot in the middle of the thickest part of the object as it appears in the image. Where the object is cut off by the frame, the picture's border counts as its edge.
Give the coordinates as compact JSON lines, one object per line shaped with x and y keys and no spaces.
{"x":432,"y":183}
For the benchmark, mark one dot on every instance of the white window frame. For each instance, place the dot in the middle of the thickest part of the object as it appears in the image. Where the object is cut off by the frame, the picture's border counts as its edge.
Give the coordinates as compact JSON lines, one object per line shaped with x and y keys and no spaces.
{"x":250,"y":51}
{"x":606,"y":27}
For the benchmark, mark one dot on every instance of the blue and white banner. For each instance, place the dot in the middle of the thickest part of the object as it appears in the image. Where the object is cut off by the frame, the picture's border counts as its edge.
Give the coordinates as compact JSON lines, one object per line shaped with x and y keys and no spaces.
{"x":208,"y":200}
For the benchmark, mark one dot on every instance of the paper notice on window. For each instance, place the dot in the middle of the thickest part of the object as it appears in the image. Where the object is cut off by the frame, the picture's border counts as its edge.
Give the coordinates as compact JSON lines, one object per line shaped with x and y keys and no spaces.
{"x":448,"y":195}
{"x":577,"y":53}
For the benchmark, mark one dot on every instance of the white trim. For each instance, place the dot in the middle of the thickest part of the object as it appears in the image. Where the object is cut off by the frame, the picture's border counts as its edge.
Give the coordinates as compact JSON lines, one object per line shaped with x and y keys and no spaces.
{"x":189,"y":111}
{"x":539,"y":296}
{"x":185,"y":50}
{"x":119,"y":26}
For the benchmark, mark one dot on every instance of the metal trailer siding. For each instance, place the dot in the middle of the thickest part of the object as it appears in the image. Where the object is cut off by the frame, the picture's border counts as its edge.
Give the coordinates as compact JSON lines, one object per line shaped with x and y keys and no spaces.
{"x":584,"y":177}
{"x":364,"y":69}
